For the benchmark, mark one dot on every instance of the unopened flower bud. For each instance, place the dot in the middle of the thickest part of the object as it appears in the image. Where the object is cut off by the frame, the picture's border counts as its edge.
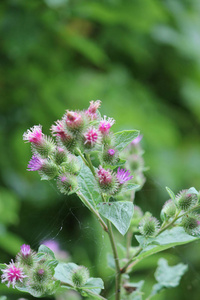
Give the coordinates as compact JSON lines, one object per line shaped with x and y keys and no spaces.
{"x":80,"y":276}
{"x":60,"y":155}
{"x":110,"y":156}
{"x":25,"y":256}
{"x":72,"y":166}
{"x":67,"y":183}
{"x":91,"y":111}
{"x":186,"y":200}
{"x":191,"y":223}
{"x":74,"y":121}
{"x":64,"y":138}
{"x":168,"y":210}
{"x":149,"y":225}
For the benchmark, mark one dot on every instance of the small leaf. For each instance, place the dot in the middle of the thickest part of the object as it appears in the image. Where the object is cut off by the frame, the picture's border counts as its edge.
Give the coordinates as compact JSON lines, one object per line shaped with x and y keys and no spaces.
{"x":124,"y":138}
{"x":171,"y":194}
{"x":63,"y":272}
{"x":167,"y":277}
{"x":130,"y":187}
{"x":46,"y":250}
{"x":94,"y":285}
{"x":88,"y":186}
{"x":119,"y":213}
{"x":192,"y":190}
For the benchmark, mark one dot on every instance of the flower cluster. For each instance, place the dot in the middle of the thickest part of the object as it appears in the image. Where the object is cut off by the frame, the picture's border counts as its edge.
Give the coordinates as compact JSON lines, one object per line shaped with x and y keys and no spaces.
{"x":76,"y":132}
{"x":31,"y":271}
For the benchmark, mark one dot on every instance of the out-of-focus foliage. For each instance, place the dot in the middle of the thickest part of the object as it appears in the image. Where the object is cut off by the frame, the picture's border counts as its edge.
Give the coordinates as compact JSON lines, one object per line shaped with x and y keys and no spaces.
{"x":142,"y":59}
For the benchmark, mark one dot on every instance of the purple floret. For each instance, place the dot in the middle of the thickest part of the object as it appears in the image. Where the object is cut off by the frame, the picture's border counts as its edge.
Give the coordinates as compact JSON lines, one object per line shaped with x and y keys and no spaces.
{"x":123,"y":175}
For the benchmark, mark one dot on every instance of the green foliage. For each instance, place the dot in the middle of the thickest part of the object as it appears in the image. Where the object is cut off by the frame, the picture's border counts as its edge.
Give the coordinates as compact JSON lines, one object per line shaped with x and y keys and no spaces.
{"x":119,"y":213}
{"x":124,"y":138}
{"x":167,"y":277}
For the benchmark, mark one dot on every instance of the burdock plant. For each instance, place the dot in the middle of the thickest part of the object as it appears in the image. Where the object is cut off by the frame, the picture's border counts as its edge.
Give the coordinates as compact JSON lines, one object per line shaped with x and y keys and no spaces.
{"x":107,"y":188}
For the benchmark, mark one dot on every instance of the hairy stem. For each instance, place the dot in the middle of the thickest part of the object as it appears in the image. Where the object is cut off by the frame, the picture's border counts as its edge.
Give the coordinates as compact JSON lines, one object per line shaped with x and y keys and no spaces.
{"x":116,"y":258}
{"x":94,"y":211}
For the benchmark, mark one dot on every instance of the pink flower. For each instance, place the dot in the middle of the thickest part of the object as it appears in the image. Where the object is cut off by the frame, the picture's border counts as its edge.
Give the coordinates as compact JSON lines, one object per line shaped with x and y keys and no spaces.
{"x":58,"y":129}
{"x":111,"y":152}
{"x":123,"y":175}
{"x":12,"y":274}
{"x":91,"y":137}
{"x":105,"y":125}
{"x":91,"y":111}
{"x":34,"y":135}
{"x":35,"y":163}
{"x":25,"y":250}
{"x":104,"y":176}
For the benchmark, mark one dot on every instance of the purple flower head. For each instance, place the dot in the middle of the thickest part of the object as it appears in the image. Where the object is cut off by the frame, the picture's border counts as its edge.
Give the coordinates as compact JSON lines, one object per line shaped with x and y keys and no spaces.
{"x":58,"y":129}
{"x":12,"y":274}
{"x":25,"y":250}
{"x":105,"y":125}
{"x":34,"y":135}
{"x":137,"y":140}
{"x":111,"y":152}
{"x":51,"y":244}
{"x":35,"y":164}
{"x":123,"y":175}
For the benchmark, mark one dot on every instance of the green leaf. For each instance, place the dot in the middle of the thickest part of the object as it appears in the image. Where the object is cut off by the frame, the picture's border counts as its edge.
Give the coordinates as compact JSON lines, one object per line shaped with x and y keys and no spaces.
{"x":167,"y":239}
{"x":124,"y":138}
{"x":119,"y":213}
{"x":120,"y":163}
{"x":130,"y":187}
{"x":44,"y":249}
{"x":63,"y":272}
{"x":167,"y":277}
{"x":171,"y":194}
{"x":88,"y":186}
{"x":192,"y":190}
{"x":111,"y":261}
{"x":94,"y":285}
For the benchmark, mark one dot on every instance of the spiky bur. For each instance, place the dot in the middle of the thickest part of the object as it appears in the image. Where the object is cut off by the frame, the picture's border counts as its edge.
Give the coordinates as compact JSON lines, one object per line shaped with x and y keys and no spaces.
{"x":72,"y":166}
{"x":74,"y":121}
{"x":185,"y":200}
{"x":40,"y":143}
{"x":168,"y":211}
{"x":67,"y":183}
{"x":191,"y":224}
{"x":64,"y":138}
{"x":110,"y":156}
{"x":47,"y":168}
{"x":80,"y":276}
{"x":149,"y":225}
{"x":26,"y":256}
{"x":60,"y":155}
{"x":13,"y":274}
{"x":107,"y":180}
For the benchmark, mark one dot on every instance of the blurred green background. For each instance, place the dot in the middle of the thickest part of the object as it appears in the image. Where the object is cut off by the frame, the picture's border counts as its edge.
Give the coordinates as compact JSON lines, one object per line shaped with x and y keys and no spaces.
{"x":142,"y":59}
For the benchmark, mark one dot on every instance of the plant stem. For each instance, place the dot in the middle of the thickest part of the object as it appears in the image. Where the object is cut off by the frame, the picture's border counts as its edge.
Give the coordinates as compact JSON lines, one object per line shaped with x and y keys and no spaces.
{"x":82,"y":156}
{"x":90,"y":165}
{"x":116,"y":258}
{"x":94,"y":211}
